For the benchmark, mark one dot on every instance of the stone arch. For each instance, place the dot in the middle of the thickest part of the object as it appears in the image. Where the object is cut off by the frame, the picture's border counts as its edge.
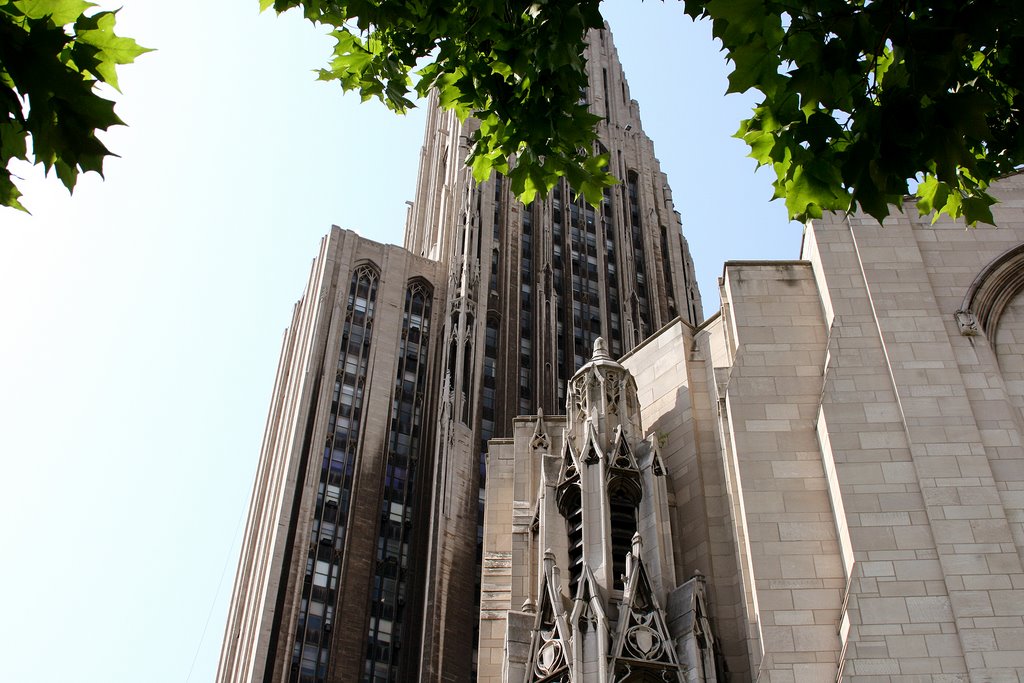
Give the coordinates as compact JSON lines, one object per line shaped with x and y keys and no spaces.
{"x":990,"y":293}
{"x":1007,"y":342}
{"x":420,"y":285}
{"x":994,"y":306}
{"x":366,"y":263}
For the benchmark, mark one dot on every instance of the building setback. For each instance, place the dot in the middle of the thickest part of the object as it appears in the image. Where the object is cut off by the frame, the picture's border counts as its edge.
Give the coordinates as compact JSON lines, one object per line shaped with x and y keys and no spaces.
{"x":361,"y":559}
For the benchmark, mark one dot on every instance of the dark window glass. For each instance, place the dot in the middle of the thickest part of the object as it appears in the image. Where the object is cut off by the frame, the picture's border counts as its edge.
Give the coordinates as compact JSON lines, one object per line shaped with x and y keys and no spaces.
{"x":391,"y":574}
{"x":330,"y":521}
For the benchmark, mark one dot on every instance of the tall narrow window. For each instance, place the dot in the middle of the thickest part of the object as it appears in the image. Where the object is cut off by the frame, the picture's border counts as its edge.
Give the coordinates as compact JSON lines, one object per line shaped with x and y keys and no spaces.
{"x":499,"y":201}
{"x":570,"y":504}
{"x":666,"y":264}
{"x":389,"y":590}
{"x":623,"y":499}
{"x":585,"y":294}
{"x":467,"y":377}
{"x":490,"y":370}
{"x":642,"y":322}
{"x":611,"y":274}
{"x":574,"y":526}
{"x":311,"y":651}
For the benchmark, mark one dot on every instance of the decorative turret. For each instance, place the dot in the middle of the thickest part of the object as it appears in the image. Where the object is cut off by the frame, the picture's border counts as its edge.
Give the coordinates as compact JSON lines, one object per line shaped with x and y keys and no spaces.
{"x":599,"y":487}
{"x":605,"y":623}
{"x":602,"y":395}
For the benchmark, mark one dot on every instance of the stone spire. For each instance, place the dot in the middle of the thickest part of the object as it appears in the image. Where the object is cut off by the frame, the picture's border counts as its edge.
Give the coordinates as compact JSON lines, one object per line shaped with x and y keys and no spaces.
{"x":602,"y":399}
{"x":605,"y":622}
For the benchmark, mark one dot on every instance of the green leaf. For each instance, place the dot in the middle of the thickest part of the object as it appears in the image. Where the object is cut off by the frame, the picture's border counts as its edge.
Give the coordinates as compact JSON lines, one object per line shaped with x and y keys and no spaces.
{"x":9,"y":193}
{"x":800,"y":195}
{"x":954,"y":205}
{"x":12,"y":142}
{"x":979,"y":208}
{"x":502,"y":69}
{"x":98,"y":32}
{"x":482,"y":167}
{"x":761,"y":146}
{"x":51,"y":58}
{"x":932,"y":195}
{"x":61,"y":12}
{"x":744,"y":16}
{"x":858,"y":97}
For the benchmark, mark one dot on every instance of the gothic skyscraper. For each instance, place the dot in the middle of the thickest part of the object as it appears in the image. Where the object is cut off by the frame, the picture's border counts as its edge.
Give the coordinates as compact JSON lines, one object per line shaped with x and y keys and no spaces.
{"x":530,"y":288}
{"x":361,"y":559}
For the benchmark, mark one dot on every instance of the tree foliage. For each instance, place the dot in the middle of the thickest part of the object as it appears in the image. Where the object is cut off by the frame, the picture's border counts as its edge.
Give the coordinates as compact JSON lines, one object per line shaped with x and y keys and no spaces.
{"x":52,"y":57}
{"x":515,"y":65}
{"x":860,"y":96}
{"x":862,"y":99}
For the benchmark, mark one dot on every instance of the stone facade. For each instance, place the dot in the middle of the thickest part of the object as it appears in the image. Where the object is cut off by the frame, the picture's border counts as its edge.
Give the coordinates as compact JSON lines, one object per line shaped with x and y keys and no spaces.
{"x":329,"y":536}
{"x":843,"y":447}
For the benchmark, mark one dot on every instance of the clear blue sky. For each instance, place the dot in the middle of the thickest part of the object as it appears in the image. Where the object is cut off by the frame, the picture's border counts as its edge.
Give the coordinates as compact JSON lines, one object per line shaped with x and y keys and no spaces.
{"x":141,"y":319}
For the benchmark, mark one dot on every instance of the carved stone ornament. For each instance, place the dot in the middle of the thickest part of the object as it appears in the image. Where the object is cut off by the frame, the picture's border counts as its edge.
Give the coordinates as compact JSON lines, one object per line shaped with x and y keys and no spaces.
{"x":612,"y":386}
{"x":570,"y":470}
{"x":587,"y":620}
{"x":642,"y":641}
{"x":580,"y":390}
{"x":550,"y":650}
{"x":623,"y":458}
{"x":540,"y":434}
{"x":967,"y":323}
{"x":550,"y":655}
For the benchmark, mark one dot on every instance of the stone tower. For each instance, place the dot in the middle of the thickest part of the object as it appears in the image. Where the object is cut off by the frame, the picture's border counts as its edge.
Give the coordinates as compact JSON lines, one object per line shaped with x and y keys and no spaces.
{"x":529,"y":290}
{"x":590,"y":549}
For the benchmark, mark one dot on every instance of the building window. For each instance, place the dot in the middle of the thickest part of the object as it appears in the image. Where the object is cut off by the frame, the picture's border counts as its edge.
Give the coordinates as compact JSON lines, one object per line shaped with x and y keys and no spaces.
{"x":642,"y":321}
{"x":666,"y":264}
{"x":330,"y":519}
{"x":623,"y":499}
{"x":391,"y":568}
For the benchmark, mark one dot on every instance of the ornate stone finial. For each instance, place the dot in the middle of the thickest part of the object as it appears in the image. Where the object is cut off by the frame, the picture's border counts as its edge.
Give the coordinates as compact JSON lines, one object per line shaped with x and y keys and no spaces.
{"x":540,"y":432}
{"x":637,"y":545}
{"x":556,"y":579}
{"x":601,"y":350}
{"x":633,"y":556}
{"x":549,"y":560}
